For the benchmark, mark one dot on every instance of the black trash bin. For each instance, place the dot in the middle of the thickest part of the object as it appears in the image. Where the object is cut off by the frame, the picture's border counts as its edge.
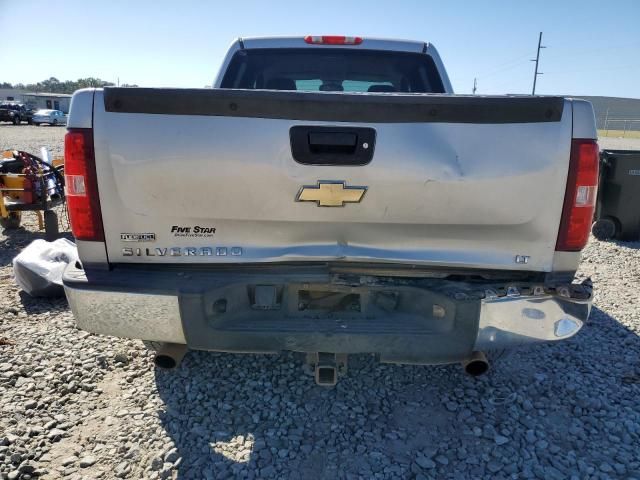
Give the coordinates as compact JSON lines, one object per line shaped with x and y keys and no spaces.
{"x":618,"y":205}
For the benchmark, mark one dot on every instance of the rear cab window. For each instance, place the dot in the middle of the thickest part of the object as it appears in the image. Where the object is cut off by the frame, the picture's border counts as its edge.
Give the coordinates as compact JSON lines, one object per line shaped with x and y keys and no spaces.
{"x":332,"y":70}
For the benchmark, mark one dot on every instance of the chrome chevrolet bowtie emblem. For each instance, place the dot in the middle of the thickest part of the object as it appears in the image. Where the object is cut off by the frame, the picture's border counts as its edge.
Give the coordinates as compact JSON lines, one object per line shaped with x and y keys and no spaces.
{"x":330,"y":194}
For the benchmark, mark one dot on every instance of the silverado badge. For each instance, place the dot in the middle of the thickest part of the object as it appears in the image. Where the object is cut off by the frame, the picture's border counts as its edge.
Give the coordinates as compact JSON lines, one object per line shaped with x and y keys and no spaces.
{"x":330,"y":194}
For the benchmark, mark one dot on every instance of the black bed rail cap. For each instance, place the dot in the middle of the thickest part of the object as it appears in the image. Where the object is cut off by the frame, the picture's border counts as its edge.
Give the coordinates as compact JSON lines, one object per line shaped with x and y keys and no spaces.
{"x":335,"y":107}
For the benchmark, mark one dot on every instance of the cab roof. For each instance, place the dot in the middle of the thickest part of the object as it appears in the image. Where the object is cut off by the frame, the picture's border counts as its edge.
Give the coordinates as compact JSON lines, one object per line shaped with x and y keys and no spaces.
{"x":367,"y":43}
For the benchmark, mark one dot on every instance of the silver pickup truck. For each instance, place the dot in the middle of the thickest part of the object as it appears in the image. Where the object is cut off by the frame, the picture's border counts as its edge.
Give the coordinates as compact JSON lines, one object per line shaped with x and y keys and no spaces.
{"x":330,"y":195}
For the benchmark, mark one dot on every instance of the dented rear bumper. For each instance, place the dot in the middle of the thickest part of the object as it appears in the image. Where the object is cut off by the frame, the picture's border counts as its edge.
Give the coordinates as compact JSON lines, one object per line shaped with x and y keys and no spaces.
{"x":309,"y":309}
{"x":516,"y":319}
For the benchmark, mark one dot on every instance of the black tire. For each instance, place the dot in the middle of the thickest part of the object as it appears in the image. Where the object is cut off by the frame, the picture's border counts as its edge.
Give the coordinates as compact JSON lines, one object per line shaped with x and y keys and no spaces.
{"x":55,"y":122}
{"x":12,"y":221}
{"x":604,"y":229}
{"x":50,"y":225}
{"x":16,"y":120}
{"x":36,"y":124}
{"x":30,"y":121}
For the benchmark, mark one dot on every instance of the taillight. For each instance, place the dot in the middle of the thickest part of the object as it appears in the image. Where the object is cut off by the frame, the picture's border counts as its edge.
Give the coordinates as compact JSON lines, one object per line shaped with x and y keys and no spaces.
{"x":580,"y":196}
{"x":82,"y":186}
{"x":332,"y":40}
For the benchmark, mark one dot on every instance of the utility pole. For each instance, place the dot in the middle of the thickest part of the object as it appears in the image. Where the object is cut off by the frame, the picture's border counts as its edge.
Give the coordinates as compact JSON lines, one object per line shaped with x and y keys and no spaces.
{"x":537,"y":60}
{"x":475,"y":85}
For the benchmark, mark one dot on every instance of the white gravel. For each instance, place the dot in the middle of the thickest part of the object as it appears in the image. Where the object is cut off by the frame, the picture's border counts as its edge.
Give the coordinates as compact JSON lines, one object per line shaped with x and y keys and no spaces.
{"x":75,"y":405}
{"x":619,"y":143}
{"x":30,"y":138}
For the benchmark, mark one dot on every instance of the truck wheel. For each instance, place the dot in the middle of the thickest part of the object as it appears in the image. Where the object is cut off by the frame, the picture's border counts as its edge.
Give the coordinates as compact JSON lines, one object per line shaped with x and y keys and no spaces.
{"x":50,"y":225}
{"x":30,"y":121}
{"x":16,"y":120}
{"x":55,"y":122}
{"x":12,"y":221}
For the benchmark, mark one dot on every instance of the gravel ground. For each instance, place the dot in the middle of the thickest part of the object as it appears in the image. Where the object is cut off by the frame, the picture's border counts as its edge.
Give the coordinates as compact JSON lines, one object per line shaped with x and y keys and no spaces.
{"x":30,"y":138}
{"x":76,"y":405}
{"x":619,"y":143}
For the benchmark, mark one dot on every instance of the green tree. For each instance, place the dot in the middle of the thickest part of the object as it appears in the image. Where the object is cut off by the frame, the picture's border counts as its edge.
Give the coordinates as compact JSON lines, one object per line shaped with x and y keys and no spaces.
{"x":53,"y":85}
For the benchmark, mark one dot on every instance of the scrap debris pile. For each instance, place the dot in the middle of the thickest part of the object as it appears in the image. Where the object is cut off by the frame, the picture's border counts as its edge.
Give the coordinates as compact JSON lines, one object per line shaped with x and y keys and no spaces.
{"x":30,"y":183}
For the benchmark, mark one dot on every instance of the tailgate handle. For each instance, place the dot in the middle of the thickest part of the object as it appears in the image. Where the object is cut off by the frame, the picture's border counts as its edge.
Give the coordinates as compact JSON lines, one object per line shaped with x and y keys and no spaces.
{"x":337,"y":142}
{"x":315,"y":145}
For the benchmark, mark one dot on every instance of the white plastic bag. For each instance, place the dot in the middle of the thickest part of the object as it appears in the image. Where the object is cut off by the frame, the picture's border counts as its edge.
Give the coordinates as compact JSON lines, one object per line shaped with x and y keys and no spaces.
{"x":38,"y":268}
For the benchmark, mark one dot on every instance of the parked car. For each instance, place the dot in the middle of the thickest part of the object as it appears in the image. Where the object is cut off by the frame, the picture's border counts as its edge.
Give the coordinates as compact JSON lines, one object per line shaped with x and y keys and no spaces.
{"x":15,"y":113}
{"x":330,"y":196}
{"x":52,"y":117}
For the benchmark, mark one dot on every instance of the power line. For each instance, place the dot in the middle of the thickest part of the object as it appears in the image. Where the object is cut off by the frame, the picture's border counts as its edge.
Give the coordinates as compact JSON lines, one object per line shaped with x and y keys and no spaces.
{"x":500,"y":68}
{"x":537,"y":60}
{"x":512,"y":80}
{"x":504,"y":66}
{"x":601,"y":69}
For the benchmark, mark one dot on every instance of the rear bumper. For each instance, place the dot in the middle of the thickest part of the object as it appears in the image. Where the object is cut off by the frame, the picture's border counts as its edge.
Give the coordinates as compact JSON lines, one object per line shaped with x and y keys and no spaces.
{"x":310,"y":310}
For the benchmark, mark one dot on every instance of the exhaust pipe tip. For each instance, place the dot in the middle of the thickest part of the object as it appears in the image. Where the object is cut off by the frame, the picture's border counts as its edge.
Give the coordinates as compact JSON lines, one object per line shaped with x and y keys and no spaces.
{"x":476,"y":365}
{"x":169,"y":356}
{"x":165,"y":362}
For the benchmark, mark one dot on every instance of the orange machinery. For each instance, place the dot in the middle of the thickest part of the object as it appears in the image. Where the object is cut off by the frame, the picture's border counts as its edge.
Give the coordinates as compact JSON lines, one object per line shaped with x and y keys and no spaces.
{"x":28,"y":183}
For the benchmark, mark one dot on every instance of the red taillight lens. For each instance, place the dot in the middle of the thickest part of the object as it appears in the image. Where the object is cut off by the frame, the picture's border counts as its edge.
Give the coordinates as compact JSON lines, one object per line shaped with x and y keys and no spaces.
{"x":82,"y":186}
{"x":580,"y":196}
{"x":332,"y":40}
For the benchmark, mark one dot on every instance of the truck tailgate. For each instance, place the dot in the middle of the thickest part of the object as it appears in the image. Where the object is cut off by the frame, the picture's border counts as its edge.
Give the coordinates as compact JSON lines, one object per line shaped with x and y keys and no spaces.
{"x":454,"y":181}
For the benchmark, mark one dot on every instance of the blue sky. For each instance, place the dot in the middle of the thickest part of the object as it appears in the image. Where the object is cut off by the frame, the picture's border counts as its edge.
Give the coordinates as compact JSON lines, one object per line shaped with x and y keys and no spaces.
{"x":593,"y":46}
